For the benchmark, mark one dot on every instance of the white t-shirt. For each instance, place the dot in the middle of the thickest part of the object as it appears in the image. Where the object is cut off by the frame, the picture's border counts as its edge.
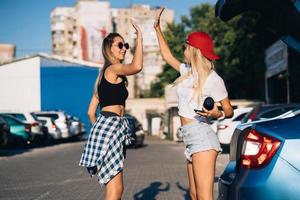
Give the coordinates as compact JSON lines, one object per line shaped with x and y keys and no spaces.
{"x":213,"y":87}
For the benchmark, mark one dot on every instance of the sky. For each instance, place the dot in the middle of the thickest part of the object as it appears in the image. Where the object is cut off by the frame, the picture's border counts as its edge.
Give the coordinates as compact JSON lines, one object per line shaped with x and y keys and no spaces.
{"x":26,"y":23}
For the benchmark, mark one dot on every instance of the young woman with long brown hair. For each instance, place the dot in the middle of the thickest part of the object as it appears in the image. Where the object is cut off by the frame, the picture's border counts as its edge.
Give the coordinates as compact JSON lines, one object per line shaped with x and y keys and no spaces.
{"x":103,"y":154}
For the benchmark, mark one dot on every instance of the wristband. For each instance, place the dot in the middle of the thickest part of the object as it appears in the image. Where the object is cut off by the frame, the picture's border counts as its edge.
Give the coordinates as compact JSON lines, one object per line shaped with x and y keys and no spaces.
{"x":222,"y":115}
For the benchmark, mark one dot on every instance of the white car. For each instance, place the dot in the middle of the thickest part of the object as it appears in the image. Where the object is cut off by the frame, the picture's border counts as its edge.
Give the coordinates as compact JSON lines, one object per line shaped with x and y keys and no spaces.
{"x":60,"y":121}
{"x":53,"y":130}
{"x":226,"y":127}
{"x":29,"y":118}
{"x":76,"y":127}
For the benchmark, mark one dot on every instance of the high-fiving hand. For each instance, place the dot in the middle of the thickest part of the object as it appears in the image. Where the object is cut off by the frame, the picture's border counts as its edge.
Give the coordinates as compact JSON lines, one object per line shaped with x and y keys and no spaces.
{"x":156,"y":24}
{"x":136,"y":27}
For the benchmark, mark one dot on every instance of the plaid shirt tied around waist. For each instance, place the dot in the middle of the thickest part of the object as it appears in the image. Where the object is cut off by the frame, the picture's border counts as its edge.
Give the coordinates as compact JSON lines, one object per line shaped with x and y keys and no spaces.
{"x":105,"y":147}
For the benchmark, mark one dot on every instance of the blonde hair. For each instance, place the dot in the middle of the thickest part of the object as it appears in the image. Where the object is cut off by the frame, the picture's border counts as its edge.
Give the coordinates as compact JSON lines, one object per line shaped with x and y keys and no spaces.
{"x":201,"y":67}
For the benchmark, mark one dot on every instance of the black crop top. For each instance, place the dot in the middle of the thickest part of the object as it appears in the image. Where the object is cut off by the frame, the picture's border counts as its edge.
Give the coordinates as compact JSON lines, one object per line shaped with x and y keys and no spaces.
{"x":111,"y":94}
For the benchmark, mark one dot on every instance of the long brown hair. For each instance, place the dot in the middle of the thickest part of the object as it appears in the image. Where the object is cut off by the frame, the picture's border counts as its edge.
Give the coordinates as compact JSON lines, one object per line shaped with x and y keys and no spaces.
{"x":106,"y":52}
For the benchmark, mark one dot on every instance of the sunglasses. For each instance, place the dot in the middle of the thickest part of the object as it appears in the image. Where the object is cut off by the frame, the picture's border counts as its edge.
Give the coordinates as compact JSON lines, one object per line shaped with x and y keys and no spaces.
{"x":121,"y":45}
{"x":183,"y":47}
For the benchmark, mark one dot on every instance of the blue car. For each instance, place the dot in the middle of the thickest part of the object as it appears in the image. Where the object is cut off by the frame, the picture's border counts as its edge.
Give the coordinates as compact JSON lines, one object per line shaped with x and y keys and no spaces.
{"x":264,"y":161}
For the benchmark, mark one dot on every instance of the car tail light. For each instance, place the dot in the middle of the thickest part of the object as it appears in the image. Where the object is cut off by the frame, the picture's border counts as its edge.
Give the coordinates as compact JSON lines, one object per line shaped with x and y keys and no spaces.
{"x":258,"y":149}
{"x":27,"y":128}
{"x":34,"y":124}
{"x":222,"y":126}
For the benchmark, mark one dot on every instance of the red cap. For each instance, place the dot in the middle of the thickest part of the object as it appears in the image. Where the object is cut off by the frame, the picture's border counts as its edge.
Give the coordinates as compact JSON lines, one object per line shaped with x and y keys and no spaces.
{"x":202,"y":41}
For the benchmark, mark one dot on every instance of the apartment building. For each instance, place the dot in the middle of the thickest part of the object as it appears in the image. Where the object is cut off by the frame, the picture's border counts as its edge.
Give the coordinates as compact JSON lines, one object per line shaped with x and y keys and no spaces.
{"x":78,"y":32}
{"x":64,"y":32}
{"x":7,"y":52}
{"x":144,"y":16}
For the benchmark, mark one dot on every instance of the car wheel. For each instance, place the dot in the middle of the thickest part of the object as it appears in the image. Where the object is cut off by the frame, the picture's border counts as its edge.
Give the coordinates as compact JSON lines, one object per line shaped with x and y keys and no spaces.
{"x":5,"y":141}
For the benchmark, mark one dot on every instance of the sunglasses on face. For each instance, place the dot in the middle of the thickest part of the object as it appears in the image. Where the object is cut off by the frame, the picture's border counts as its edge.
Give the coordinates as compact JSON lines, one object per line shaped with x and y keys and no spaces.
{"x":121,"y":45}
{"x":183,"y":47}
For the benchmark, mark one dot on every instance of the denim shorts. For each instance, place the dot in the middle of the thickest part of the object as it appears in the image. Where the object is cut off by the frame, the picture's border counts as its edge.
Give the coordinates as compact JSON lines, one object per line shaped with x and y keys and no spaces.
{"x":199,"y":136}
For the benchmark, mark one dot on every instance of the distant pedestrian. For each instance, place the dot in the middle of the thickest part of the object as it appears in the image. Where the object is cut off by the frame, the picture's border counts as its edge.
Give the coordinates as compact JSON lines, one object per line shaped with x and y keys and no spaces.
{"x":197,"y":81}
{"x":103,"y":154}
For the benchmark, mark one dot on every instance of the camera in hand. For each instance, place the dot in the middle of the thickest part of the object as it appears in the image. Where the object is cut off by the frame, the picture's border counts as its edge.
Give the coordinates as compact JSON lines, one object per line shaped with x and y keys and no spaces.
{"x":209,"y":103}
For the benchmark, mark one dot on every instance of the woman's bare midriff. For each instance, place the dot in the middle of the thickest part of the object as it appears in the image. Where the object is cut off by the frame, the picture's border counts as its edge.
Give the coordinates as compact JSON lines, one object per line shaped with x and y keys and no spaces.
{"x":185,"y":120}
{"x":118,"y":109}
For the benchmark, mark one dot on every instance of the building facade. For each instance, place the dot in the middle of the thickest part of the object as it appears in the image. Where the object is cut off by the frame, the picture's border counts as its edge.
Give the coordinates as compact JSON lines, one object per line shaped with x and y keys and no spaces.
{"x":43,"y":82}
{"x":65,"y":33}
{"x":78,"y":33}
{"x":144,"y":16}
{"x":7,"y":52}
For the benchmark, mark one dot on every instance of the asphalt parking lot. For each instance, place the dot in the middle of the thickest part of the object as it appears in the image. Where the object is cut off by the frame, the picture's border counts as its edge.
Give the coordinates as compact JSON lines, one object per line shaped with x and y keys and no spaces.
{"x":155,"y":171}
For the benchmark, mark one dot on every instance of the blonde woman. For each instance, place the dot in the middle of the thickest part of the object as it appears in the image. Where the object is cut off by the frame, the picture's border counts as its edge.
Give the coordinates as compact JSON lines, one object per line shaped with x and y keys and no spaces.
{"x":103,"y":154}
{"x":198,"y":80}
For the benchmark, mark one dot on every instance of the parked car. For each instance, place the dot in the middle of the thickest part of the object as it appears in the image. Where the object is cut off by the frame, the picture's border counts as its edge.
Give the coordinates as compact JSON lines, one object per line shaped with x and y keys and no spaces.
{"x":76,"y":127}
{"x":136,"y":130}
{"x":4,"y":132}
{"x":39,"y":132}
{"x":225,"y":128}
{"x":264,"y":163}
{"x":53,"y":130}
{"x":19,"y":132}
{"x":268,"y":111}
{"x":60,"y":120}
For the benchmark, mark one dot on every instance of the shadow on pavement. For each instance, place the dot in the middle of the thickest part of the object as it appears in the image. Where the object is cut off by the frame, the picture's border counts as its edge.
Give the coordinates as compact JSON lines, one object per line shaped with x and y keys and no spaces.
{"x":12,"y":152}
{"x":151,"y":191}
{"x":185,"y":190}
{"x":137,"y":147}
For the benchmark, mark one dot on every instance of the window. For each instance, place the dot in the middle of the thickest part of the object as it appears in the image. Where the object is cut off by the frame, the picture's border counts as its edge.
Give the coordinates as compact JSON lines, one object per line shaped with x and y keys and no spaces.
{"x":19,"y":116}
{"x":52,"y":116}
{"x":2,"y":121}
{"x":240,"y":117}
{"x":276,"y":112}
{"x":11,"y":121}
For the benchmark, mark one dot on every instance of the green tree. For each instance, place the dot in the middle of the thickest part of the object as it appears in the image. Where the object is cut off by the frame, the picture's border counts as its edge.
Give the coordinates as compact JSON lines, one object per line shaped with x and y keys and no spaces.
{"x":175,"y":37}
{"x":239,"y":42}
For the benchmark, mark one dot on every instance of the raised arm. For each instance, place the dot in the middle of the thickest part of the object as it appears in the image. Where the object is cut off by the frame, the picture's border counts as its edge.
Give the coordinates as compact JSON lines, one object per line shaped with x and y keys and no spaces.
{"x":164,"y":48}
{"x":137,"y":62}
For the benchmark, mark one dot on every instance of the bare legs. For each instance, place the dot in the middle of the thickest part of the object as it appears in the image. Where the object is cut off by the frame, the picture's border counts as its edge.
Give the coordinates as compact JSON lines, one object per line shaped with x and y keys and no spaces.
{"x":114,"y":188}
{"x":201,"y":172}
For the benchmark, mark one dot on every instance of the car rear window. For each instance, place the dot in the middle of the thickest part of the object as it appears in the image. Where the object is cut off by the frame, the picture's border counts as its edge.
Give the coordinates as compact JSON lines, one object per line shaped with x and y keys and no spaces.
{"x":2,"y":121}
{"x":19,"y":116}
{"x":276,"y":112}
{"x":240,"y":117}
{"x":34,"y":116}
{"x":52,"y":116}
{"x":11,"y":121}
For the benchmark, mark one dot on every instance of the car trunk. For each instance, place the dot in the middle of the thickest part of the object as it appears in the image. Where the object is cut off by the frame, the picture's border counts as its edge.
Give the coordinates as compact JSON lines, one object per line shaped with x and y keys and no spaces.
{"x":287,"y":133}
